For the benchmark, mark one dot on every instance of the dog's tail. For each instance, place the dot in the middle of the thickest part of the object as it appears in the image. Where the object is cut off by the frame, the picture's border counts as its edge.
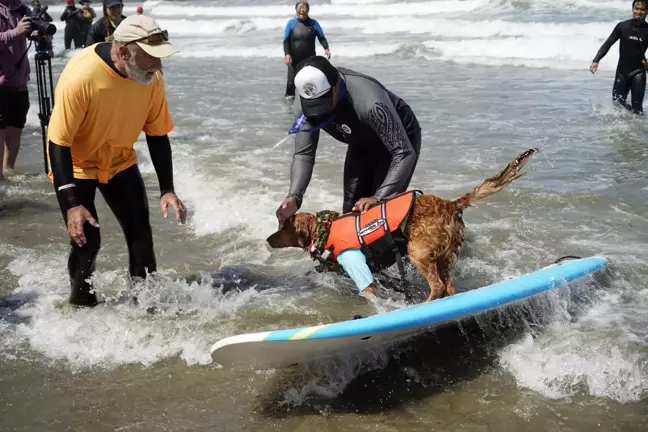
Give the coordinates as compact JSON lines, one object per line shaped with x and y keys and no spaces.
{"x":496,"y":183}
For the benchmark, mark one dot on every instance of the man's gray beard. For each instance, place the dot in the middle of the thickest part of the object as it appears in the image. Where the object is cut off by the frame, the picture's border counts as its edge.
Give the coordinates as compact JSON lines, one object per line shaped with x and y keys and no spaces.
{"x":137,"y":74}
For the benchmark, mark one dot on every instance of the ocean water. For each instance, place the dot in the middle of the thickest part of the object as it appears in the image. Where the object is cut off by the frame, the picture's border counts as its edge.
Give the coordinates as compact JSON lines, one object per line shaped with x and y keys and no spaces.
{"x":487,"y":80}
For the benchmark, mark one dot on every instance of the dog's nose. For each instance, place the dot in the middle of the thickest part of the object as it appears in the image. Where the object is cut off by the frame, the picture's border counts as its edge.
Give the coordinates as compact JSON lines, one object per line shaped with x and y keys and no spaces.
{"x":272,"y":240}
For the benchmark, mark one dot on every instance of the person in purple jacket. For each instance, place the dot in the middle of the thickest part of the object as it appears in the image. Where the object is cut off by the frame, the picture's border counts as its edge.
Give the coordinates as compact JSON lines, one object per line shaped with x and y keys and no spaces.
{"x":15,"y":28}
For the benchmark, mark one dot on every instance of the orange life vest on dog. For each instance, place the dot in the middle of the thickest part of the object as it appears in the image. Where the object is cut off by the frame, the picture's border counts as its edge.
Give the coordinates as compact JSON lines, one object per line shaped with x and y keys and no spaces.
{"x":358,"y":231}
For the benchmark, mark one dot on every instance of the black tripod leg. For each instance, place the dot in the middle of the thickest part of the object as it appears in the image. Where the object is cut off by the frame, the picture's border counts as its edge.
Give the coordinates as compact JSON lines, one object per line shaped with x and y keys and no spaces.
{"x":45,"y":101}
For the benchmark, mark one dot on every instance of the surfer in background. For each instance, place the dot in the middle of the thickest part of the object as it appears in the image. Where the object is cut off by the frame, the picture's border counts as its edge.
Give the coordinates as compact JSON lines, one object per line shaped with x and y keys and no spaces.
{"x":299,"y":42}
{"x":631,"y":68}
{"x":381,"y":130}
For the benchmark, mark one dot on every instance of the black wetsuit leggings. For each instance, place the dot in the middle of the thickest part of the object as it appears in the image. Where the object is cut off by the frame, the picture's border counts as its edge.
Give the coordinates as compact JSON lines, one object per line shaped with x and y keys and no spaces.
{"x":126,"y":196}
{"x":634,"y":82}
{"x":75,"y":35}
{"x":365,"y":170}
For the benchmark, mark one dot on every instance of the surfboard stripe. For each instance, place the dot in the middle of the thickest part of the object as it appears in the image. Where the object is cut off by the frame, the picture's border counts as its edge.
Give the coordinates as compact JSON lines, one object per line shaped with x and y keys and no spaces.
{"x":305,"y":333}
{"x":294,"y":334}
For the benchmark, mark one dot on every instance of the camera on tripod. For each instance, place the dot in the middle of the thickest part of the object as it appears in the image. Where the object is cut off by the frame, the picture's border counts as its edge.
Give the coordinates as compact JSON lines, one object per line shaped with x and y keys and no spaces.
{"x":44,"y":31}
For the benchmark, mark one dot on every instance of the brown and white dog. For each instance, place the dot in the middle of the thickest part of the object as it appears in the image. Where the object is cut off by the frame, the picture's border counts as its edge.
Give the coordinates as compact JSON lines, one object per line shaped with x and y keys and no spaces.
{"x":434,"y":229}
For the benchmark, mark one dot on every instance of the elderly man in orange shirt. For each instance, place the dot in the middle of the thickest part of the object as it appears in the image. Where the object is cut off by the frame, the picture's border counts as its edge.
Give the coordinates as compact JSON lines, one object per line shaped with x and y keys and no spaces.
{"x":106,"y":95}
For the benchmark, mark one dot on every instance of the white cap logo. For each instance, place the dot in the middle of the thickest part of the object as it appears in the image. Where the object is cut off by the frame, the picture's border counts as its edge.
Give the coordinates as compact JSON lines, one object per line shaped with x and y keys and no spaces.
{"x":310,"y":89}
{"x":311,"y":83}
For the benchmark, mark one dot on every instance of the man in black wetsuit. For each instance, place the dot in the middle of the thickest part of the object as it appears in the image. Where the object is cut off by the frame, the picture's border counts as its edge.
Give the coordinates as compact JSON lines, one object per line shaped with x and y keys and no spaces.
{"x":105,"y":96}
{"x":299,"y":42}
{"x":381,"y":130}
{"x":631,"y":68}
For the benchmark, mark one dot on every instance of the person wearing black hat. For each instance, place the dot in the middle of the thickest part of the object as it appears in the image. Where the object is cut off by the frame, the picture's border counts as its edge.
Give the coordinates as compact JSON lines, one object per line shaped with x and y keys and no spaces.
{"x":381,"y":130}
{"x":631,"y":67}
{"x":106,"y":25}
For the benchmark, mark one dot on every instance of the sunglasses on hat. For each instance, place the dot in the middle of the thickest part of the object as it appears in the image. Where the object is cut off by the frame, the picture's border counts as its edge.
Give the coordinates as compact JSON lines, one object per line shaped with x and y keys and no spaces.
{"x":155,"y":38}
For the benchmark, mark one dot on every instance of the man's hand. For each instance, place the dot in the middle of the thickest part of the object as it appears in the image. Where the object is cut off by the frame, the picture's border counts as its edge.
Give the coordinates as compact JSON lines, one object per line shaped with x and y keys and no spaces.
{"x":24,"y":26}
{"x":328,"y":53}
{"x":363,"y":204}
{"x":593,"y":67}
{"x":287,"y":208}
{"x":288,"y":59}
{"x":170,"y":199}
{"x":76,"y":218}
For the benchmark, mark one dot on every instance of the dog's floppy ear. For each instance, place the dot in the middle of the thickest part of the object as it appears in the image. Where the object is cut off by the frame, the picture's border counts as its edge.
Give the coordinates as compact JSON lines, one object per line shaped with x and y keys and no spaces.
{"x":303,"y":228}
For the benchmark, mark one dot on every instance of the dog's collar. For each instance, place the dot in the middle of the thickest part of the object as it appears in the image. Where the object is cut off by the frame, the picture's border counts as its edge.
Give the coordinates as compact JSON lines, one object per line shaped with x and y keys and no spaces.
{"x":320,"y":236}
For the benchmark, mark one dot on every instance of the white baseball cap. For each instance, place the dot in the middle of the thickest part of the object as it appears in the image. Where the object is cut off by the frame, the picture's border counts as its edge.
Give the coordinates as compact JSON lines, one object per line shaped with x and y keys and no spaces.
{"x":314,"y":81}
{"x":145,"y":32}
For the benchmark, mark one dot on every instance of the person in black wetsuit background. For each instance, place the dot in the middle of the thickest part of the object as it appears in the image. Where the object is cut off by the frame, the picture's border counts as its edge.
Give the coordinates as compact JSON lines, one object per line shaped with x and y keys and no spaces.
{"x":299,"y":42}
{"x":73,"y":25}
{"x":380,"y":129}
{"x":631,"y":68}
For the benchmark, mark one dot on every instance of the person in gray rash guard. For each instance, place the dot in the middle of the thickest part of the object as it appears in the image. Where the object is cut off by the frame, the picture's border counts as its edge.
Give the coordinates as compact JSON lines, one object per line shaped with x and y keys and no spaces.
{"x":381,"y":130}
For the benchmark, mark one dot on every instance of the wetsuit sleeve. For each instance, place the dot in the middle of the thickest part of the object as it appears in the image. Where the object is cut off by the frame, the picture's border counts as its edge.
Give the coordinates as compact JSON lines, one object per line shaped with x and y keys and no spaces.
{"x":158,"y":121}
{"x":614,"y":36}
{"x":301,"y":169}
{"x":379,"y":113}
{"x":286,"y":46}
{"x":61,"y":165}
{"x":65,"y":14}
{"x":286,"y":35}
{"x":320,"y":34}
{"x":72,"y":101}
{"x":161,"y":156}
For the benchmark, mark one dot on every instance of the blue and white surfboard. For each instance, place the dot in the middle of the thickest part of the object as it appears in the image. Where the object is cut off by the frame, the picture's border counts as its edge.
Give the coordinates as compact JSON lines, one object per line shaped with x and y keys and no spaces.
{"x":287,"y":347}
